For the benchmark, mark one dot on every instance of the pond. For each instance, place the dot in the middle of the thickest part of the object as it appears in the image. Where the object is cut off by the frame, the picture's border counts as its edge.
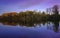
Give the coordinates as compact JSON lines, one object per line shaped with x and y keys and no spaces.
{"x":41,"y":30}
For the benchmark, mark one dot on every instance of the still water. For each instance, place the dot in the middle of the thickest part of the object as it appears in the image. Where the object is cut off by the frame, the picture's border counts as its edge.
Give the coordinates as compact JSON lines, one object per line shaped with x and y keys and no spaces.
{"x":42,"y":30}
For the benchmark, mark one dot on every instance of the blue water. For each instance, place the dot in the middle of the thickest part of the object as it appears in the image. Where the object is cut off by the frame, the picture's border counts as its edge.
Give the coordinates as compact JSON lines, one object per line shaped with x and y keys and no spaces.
{"x":37,"y":31}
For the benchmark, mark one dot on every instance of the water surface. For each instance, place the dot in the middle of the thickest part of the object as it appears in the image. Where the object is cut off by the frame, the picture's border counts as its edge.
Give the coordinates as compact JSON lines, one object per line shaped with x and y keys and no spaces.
{"x":41,"y":30}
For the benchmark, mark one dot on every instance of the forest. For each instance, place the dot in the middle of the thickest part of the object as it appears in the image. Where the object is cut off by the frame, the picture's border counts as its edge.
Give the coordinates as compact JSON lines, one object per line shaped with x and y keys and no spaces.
{"x":32,"y":17}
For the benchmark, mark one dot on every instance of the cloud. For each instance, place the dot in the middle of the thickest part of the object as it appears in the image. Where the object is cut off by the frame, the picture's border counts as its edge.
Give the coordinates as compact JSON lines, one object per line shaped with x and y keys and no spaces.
{"x":29,"y":3}
{"x":17,"y":5}
{"x":22,"y":3}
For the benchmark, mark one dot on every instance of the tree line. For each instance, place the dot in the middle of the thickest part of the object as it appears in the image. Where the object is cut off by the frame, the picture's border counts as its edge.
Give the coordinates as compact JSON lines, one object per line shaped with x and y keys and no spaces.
{"x":31,"y":16}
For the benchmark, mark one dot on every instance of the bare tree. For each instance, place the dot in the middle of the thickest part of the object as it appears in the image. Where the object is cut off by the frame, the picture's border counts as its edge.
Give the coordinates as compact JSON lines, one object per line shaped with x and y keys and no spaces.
{"x":49,"y":11}
{"x":55,"y":9}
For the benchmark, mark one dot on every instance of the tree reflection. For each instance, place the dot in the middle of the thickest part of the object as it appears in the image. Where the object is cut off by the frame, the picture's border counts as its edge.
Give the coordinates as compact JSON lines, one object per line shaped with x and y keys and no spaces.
{"x":56,"y":26}
{"x":26,"y":24}
{"x":10,"y":23}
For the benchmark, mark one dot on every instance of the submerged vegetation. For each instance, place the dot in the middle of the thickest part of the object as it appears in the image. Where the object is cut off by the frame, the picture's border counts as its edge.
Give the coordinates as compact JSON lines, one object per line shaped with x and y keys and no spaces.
{"x":31,"y":17}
